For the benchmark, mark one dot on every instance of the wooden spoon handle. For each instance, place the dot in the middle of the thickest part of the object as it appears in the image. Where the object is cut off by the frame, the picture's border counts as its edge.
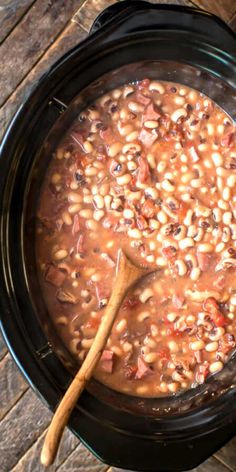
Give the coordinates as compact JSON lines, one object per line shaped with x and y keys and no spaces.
{"x":127,"y":275}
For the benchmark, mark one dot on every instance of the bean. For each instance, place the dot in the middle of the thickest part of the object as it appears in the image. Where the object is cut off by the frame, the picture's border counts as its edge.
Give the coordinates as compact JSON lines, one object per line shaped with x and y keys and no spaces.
{"x":132,"y":136}
{"x":233,"y":300}
{"x":222,"y":172}
{"x":173,"y":387}
{"x":179,"y":100}
{"x":98,"y":215}
{"x":192,"y":230}
{"x":180,"y":233}
{"x":134,"y":233}
{"x":173,"y":346}
{"x":131,"y":165}
{"x":205,"y":247}
{"x":188,"y":218}
{"x":86,"y":213}
{"x":114,"y":149}
{"x":93,"y":225}
{"x":197,"y":345}
{"x":219,"y":247}
{"x":74,"y":197}
{"x":168,"y":186}
{"x":145,"y":295}
{"x":151,"y":192}
{"x":231,"y":181}
{"x":216,"y":367}
{"x":217,"y":159}
{"x":157,"y":87}
{"x":185,"y":243}
{"x":127,"y":213}
{"x":212,"y":347}
{"x":127,"y":347}
{"x":66,"y":218}
{"x":151,"y":357}
{"x":161,"y":262}
{"x":131,"y":148}
{"x":195,"y":274}
{"x":181,"y":267}
{"x":226,"y":194}
{"x":196,"y":183}
{"x":152,"y":124}
{"x":55,"y":179}
{"x":162,"y":217}
{"x":118,"y":351}
{"x":177,"y":114}
{"x":132,"y":196}
{"x":142,"y":389}
{"x":99,"y":201}
{"x":217,"y":334}
{"x":226,"y":235}
{"x":200,"y":233}
{"x":223,"y":205}
{"x":121,"y":326}
{"x":227,"y":217}
{"x":161,"y":166}
{"x":163,"y":387}
{"x":60,"y":254}
{"x":135,"y":107}
{"x":87,"y":343}
{"x":125,"y":130}
{"x":88,"y":147}
{"x":151,"y":160}
{"x":123,"y":179}
{"x":143,"y":316}
{"x":217,"y":214}
{"x":91,"y":171}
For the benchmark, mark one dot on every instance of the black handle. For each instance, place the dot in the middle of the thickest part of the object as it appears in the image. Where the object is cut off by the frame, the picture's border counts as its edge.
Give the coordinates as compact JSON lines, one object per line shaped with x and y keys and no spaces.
{"x":130,"y":16}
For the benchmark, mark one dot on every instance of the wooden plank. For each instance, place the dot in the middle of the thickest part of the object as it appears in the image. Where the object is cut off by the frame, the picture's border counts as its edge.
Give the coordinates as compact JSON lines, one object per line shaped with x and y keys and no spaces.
{"x":222,"y":8}
{"x":12,"y":385}
{"x":30,"y":462}
{"x":20,"y":428}
{"x":232,"y":22}
{"x":10,"y":14}
{"x":211,"y":465}
{"x":227,"y":455}
{"x":81,"y":460}
{"x":30,"y":39}
{"x":71,"y":36}
{"x":3,"y":348}
{"x":90,"y":9}
{"x":86,"y":15}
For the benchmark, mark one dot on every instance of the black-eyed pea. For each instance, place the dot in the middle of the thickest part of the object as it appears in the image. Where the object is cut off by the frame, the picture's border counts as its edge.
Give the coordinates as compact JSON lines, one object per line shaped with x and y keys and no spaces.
{"x":151,"y":160}
{"x":162,"y":217}
{"x":226,"y":234}
{"x":144,"y":315}
{"x":173,"y":387}
{"x":151,"y":357}
{"x":212,"y":347}
{"x":200,"y":233}
{"x":163,"y":387}
{"x":121,"y":326}
{"x":171,"y":317}
{"x":56,"y":178}
{"x":173,"y":346}
{"x":161,"y":262}
{"x":217,"y":159}
{"x":127,"y":347}
{"x":217,"y":334}
{"x":91,"y":171}
{"x":132,"y":136}
{"x":227,"y":217}
{"x":177,"y":114}
{"x":161,"y":166}
{"x":92,"y":225}
{"x":205,"y":248}
{"x":98,"y":215}
{"x":146,"y":294}
{"x":231,"y":181}
{"x":197,"y":345}
{"x":151,"y":124}
{"x":195,"y":274}
{"x":98,"y":201}
{"x":135,"y":107}
{"x":66,"y":218}
{"x":186,"y":243}
{"x":216,"y":367}
{"x":233,"y":300}
{"x":167,"y":186}
{"x":60,"y":254}
{"x":124,"y":179}
{"x":181,"y":267}
{"x":157,"y":87}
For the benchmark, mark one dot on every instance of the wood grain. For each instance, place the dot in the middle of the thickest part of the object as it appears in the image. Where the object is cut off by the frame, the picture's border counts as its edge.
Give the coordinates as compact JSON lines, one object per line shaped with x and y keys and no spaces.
{"x":30,"y":461}
{"x":30,"y":39}
{"x":11,"y":11}
{"x":227,"y":455}
{"x":70,"y":37}
{"x":81,"y":460}
{"x":12,"y":385}
{"x":223,"y":8}
{"x":20,"y":428}
{"x":90,"y":9}
{"x":3,"y":347}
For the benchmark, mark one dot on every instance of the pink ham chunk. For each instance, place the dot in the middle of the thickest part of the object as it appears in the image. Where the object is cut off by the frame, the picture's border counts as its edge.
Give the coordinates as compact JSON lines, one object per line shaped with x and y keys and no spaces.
{"x":204,"y":260}
{"x":147,"y":138}
{"x":150,"y":113}
{"x":178,"y":301}
{"x":107,"y":361}
{"x":143,"y":369}
{"x":55,"y":276}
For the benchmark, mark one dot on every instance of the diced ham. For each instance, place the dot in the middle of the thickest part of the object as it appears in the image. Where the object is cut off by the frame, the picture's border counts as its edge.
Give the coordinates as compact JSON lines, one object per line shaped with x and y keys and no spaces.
{"x":147,"y":138}
{"x":107,"y":361}
{"x":143,"y":369}
{"x":150,"y":113}
{"x":131,"y":303}
{"x":141,"y":222}
{"x":211,"y":306}
{"x":55,"y":276}
{"x":193,"y":153}
{"x":130,"y":371}
{"x":107,"y":135}
{"x":178,"y":301}
{"x":142,"y":99}
{"x":148,"y":209}
{"x":227,"y":139}
{"x":204,"y":261}
{"x":143,"y":170}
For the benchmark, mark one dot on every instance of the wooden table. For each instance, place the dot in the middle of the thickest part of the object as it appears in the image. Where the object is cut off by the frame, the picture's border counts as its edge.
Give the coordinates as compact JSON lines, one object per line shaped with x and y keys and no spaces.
{"x":33,"y":35}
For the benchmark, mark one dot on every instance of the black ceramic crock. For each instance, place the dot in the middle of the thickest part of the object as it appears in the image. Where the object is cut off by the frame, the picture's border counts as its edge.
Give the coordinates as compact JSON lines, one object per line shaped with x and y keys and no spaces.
{"x":128,"y":41}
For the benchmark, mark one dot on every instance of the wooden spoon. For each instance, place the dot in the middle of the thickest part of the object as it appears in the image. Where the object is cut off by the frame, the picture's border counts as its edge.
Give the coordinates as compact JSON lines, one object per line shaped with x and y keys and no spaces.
{"x":127,"y":275}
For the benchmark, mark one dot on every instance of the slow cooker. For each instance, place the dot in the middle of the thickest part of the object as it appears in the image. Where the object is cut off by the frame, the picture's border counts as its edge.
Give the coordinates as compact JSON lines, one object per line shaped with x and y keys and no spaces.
{"x":128,"y":41}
